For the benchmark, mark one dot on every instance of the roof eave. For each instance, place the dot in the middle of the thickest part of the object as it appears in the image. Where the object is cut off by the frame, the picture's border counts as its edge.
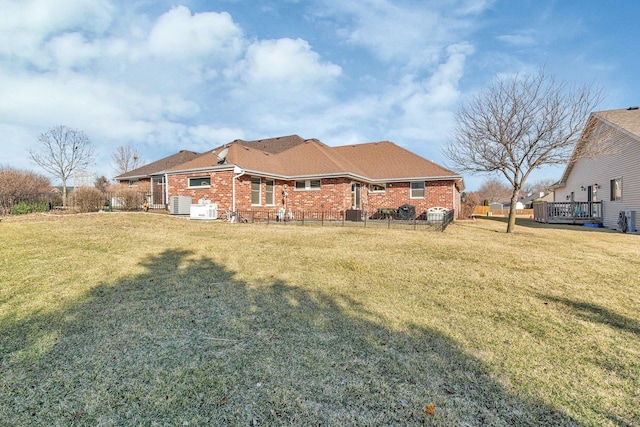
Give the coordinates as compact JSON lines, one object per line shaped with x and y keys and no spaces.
{"x":201,"y":169}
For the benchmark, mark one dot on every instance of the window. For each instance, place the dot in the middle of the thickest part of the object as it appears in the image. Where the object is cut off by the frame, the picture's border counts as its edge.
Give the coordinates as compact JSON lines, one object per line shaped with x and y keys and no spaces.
{"x":378,"y":188}
{"x":203,"y":181}
{"x":255,"y":190}
{"x":616,"y":189}
{"x":133,"y":182}
{"x":309,"y":184}
{"x":417,"y":190}
{"x":270,"y":184}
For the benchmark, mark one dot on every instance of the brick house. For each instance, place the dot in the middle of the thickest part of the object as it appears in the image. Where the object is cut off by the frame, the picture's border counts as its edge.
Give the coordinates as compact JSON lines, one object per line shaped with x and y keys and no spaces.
{"x":151,"y":177}
{"x":297,"y":174}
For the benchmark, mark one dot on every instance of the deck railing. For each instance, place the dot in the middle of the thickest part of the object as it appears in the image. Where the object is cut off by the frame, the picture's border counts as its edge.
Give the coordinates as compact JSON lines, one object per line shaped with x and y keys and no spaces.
{"x":567,"y":212}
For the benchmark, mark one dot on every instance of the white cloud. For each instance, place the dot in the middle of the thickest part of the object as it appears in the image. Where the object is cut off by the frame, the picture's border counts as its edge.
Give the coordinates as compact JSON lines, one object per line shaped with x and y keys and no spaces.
{"x":282,"y":76}
{"x":72,"y":50}
{"x":525,"y":39}
{"x":178,"y":35}
{"x":286,"y":60}
{"x":26,"y":24}
{"x":410,"y":35}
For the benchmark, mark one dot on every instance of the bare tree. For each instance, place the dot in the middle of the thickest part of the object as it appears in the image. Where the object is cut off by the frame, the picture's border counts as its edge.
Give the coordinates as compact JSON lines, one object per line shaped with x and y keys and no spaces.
{"x":494,"y":190}
{"x":61,"y":152}
{"x":126,"y":159}
{"x":518,"y":125}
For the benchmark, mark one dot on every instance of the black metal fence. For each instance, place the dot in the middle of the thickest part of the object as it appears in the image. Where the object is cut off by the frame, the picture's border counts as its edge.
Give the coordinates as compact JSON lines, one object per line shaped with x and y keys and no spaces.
{"x":437,"y":221}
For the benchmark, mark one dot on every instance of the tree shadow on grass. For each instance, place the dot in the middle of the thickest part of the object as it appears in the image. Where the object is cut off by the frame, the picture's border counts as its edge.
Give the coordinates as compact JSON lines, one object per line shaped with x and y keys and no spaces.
{"x":187,"y":344}
{"x":596,"y":313}
{"x":610,"y":359}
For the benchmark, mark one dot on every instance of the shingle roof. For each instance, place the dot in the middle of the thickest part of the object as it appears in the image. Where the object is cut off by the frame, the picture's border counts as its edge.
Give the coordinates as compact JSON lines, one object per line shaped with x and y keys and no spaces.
{"x":387,"y":161}
{"x":273,"y":145}
{"x":626,"y":120}
{"x":376,"y":161}
{"x":159,"y":166}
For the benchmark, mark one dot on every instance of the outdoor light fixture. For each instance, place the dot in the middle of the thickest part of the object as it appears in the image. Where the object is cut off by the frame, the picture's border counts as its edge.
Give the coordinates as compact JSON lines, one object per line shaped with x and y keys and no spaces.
{"x":568,"y":197}
{"x":596,"y":185}
{"x":582,"y":188}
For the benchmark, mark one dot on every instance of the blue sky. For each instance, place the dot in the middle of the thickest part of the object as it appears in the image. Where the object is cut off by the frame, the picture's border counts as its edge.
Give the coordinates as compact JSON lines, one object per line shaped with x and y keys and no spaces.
{"x":162,"y":76}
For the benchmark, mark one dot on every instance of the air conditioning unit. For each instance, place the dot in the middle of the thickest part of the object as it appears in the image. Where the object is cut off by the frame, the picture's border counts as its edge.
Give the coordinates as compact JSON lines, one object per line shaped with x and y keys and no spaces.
{"x":627,"y":221}
{"x":179,"y":205}
{"x":631,"y":221}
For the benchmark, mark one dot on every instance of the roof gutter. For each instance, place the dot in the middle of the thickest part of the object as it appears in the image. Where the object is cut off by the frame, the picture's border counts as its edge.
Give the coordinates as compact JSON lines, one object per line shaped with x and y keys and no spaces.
{"x":203,"y":169}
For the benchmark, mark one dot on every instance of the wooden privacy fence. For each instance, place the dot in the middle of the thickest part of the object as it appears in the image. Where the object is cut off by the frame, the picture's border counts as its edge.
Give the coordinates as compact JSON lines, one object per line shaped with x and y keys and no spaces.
{"x":487,"y":211}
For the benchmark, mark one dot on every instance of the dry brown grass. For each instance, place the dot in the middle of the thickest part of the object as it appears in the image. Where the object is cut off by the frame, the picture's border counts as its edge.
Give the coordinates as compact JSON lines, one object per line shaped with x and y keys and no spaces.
{"x":117,"y":319}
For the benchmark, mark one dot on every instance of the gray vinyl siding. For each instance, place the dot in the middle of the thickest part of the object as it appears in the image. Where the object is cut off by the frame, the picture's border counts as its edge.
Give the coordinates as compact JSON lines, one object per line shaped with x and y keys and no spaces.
{"x":623,"y":162}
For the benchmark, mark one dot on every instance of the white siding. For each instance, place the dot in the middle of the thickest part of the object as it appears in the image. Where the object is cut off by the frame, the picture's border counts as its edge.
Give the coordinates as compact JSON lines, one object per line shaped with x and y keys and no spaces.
{"x":624,"y":163}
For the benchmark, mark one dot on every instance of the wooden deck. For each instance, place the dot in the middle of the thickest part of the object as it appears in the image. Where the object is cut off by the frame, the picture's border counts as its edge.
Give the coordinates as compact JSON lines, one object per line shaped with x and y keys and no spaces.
{"x":568,"y":212}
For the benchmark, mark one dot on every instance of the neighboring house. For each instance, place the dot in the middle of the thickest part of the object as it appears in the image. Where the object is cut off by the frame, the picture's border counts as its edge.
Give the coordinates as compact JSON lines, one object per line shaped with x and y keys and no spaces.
{"x":527,"y":201}
{"x":294,"y":174}
{"x":151,"y":177}
{"x":613,"y":176}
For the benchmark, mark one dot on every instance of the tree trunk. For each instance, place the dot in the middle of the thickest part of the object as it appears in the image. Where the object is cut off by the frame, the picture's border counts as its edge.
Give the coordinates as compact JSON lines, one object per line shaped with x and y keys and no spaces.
{"x":64,"y":193}
{"x":512,"y":210}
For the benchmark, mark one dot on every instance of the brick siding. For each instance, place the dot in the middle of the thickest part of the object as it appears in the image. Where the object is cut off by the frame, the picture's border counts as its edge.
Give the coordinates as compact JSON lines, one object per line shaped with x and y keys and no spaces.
{"x":334,"y":194}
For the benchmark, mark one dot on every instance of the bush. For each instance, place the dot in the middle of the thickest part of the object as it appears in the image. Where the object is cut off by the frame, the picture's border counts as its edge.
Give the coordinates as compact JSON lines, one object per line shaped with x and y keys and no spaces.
{"x":471,"y":201}
{"x":29,"y":207}
{"x":128,"y":199}
{"x":88,"y":199}
{"x":22,"y":183}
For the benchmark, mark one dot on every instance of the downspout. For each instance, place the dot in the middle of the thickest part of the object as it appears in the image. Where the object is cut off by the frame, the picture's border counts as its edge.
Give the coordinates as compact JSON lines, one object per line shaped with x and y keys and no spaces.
{"x":166,"y":190}
{"x":239,"y":172}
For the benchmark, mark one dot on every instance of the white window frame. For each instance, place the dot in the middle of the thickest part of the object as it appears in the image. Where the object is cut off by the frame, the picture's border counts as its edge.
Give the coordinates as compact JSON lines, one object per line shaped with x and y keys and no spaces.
{"x":270,"y":184}
{"x":308,"y":186}
{"x":259,"y":190}
{"x":613,"y":182}
{"x":199,"y":186}
{"x":424,"y":190}
{"x":382,"y":189}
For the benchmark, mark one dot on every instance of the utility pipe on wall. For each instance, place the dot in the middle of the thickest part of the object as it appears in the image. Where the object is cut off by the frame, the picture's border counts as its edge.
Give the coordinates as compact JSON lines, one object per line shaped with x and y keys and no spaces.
{"x":239,"y":172}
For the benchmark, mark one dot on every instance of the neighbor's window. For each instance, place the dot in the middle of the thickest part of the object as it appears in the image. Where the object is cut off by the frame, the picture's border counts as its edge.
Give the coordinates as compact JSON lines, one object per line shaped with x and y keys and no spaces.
{"x":133,"y":182}
{"x":203,"y":181}
{"x":255,"y":190}
{"x":616,"y":189}
{"x":309,"y":184}
{"x":269,"y":193}
{"x":417,"y":190}
{"x":378,"y":188}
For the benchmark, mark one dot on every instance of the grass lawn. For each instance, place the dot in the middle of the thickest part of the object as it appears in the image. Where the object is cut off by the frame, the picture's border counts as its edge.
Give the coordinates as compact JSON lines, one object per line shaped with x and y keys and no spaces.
{"x":142,"y":319}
